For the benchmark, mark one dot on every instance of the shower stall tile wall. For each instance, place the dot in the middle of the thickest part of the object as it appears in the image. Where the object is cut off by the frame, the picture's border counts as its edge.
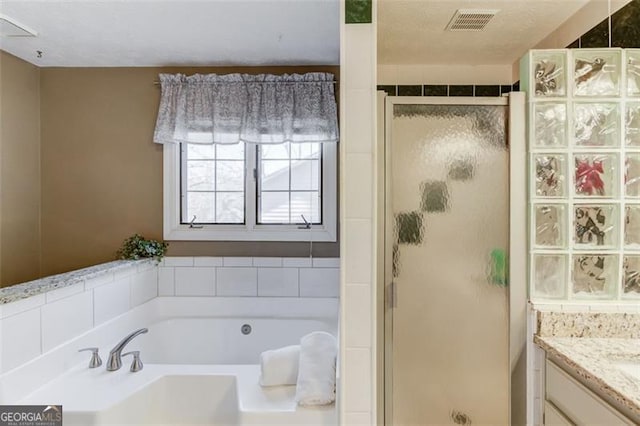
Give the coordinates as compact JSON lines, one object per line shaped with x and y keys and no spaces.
{"x":250,"y":277}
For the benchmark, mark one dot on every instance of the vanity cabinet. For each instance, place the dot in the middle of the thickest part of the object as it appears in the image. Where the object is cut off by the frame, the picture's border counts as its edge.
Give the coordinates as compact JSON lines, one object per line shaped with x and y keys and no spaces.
{"x":568,"y":402}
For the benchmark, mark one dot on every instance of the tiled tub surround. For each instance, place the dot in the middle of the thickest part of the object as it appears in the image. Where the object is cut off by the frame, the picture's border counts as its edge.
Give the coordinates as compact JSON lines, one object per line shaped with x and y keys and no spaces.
{"x":40,"y":318}
{"x":589,"y":345}
{"x":249,"y":277}
{"x":39,"y":315}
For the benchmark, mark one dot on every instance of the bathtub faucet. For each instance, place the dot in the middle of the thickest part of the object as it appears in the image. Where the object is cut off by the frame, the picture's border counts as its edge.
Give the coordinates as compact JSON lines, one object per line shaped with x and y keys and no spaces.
{"x":115,"y":356}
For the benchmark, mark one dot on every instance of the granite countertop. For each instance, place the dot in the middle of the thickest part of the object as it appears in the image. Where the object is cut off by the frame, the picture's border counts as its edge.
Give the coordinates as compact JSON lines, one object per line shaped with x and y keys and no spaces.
{"x":53,"y":282}
{"x":593,"y":359}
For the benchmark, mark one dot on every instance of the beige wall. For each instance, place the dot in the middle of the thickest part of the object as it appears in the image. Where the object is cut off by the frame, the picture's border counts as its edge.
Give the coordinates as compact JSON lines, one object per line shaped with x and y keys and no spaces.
{"x":102,"y":174}
{"x":19,"y":170}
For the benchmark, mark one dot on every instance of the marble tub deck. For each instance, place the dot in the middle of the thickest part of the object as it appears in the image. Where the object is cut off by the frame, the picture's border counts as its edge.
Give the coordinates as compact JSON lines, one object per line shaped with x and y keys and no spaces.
{"x":592,"y":360}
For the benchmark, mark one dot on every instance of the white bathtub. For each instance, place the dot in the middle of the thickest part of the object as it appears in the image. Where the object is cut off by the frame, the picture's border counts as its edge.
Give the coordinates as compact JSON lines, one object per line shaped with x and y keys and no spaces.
{"x":215,"y":340}
{"x":199,"y":368}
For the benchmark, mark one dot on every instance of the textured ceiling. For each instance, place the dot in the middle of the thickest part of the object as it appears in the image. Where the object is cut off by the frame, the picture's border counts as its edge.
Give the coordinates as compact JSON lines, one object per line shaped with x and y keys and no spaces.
{"x":86,"y":33}
{"x":413,"y":31}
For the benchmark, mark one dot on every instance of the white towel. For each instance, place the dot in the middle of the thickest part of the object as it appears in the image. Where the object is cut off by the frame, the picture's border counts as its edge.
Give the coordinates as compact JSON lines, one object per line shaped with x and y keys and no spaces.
{"x":317,"y":369}
{"x":279,"y":366}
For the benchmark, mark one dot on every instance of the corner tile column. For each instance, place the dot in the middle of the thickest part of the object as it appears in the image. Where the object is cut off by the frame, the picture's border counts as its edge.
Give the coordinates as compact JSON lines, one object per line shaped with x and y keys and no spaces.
{"x":357,"y":393}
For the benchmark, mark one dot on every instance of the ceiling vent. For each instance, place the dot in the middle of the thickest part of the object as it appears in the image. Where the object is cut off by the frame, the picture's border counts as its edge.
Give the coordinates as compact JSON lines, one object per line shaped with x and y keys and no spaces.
{"x":471,"y":19}
{"x":11,"y":28}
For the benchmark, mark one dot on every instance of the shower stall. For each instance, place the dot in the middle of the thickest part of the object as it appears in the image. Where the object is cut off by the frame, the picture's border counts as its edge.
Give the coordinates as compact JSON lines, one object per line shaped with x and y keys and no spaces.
{"x":454,"y":311}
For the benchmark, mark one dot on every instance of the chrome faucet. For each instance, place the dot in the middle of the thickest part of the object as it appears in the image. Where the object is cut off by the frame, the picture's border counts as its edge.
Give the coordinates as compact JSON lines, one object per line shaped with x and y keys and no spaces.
{"x":115,"y":355}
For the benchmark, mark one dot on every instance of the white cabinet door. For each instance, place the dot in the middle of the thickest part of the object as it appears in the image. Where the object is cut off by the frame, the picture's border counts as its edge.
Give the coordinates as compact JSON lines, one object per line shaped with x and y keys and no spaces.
{"x":577,"y":402}
{"x":552,"y":416}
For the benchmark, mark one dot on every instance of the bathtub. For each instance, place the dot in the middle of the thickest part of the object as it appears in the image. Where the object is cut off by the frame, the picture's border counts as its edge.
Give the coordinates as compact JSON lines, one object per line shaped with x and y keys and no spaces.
{"x":200,"y":358}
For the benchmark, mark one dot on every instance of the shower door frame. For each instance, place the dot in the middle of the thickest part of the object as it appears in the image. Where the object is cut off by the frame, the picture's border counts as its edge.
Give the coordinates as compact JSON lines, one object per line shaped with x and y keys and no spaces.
{"x":517,"y":289}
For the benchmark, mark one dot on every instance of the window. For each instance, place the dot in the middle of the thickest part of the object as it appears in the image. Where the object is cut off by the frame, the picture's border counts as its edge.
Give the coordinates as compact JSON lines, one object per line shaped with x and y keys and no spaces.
{"x":250,"y":192}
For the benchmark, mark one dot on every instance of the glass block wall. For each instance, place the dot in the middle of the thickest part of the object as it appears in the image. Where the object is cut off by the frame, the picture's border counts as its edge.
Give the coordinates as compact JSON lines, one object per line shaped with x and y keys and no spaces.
{"x":584,"y":173}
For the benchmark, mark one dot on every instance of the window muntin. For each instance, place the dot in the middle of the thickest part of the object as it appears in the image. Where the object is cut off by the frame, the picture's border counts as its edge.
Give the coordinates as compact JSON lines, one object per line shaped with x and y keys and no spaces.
{"x":289,"y":183}
{"x":213,"y":183}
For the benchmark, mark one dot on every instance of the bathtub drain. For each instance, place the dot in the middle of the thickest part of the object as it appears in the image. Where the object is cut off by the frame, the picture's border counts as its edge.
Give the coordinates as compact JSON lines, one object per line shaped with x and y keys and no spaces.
{"x":245,"y":329}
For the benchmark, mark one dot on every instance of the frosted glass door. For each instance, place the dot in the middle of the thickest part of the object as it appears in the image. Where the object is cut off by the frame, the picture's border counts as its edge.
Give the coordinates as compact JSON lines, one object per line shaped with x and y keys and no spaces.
{"x":449,"y":202}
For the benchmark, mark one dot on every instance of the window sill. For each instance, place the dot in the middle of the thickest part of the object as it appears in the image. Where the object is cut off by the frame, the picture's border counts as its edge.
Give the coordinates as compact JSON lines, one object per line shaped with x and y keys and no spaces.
{"x":241,"y":233}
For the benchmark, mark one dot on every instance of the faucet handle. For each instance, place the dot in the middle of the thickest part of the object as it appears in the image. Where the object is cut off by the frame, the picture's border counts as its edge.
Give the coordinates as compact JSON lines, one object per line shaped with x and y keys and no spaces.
{"x":95,"y":358}
{"x":136,"y":364}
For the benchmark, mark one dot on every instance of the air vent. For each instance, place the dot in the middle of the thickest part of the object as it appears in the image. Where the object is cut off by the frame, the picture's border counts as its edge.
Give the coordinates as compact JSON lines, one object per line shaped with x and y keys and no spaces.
{"x":10,"y":28}
{"x":471,"y":19}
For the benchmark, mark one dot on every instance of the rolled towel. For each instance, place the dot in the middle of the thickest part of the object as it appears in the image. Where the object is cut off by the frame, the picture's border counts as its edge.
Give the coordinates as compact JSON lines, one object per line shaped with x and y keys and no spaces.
{"x":279,"y":366}
{"x":317,"y":370}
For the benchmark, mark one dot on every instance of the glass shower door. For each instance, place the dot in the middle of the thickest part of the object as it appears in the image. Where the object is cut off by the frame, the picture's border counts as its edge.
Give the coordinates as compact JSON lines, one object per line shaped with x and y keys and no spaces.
{"x":448,"y":224}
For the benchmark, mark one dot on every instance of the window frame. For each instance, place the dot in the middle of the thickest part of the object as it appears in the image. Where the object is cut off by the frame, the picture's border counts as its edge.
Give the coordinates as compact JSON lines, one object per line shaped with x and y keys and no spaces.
{"x":174,"y":230}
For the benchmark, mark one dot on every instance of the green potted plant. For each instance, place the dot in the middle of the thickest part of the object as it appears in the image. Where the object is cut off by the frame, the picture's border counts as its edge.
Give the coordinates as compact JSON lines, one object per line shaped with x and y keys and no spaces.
{"x":137,"y":247}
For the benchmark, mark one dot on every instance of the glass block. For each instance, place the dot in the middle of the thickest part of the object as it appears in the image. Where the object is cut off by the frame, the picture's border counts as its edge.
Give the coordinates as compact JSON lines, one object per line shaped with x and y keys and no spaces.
{"x":549,"y":73}
{"x":632,"y":124}
{"x":632,"y":175}
{"x":549,"y":276}
{"x":633,"y":72}
{"x":550,"y":121}
{"x":550,"y":175}
{"x":631,"y":277}
{"x":550,"y":225}
{"x":632,"y":226}
{"x":594,"y":276}
{"x":595,"y":226}
{"x":595,"y":175}
{"x":596,"y":124}
{"x":596,"y":73}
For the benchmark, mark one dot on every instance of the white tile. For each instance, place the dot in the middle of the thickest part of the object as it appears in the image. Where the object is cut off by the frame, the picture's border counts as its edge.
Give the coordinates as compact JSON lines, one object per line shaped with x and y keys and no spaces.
{"x":238,"y":261}
{"x":296,"y":262}
{"x":196,"y":281}
{"x":237,"y":281}
{"x":111,"y":300}
{"x":20,"y":338}
{"x":326,"y":262}
{"x":98,"y":280}
{"x":178,"y":261}
{"x":320,"y":282}
{"x":207,"y":261}
{"x":144,"y":287}
{"x":359,"y":66}
{"x":357,"y":315}
{"x":61,"y":293}
{"x":357,"y":379}
{"x":118,"y":274}
{"x":65,"y":319}
{"x":357,"y":419}
{"x":358,"y":263}
{"x":166,"y":281}
{"x":271,"y":262}
{"x":21,"y":305}
{"x":278,"y":282}
{"x":358,"y":175}
{"x":359,"y":113}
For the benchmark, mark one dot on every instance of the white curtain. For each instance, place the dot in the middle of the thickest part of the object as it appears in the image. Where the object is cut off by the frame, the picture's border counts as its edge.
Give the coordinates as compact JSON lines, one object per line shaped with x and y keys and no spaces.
{"x":232,"y":108}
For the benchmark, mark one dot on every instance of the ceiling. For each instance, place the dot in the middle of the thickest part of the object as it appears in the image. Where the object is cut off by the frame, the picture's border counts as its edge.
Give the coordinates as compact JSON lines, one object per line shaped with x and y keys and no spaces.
{"x":413,"y":31}
{"x":90,"y":33}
